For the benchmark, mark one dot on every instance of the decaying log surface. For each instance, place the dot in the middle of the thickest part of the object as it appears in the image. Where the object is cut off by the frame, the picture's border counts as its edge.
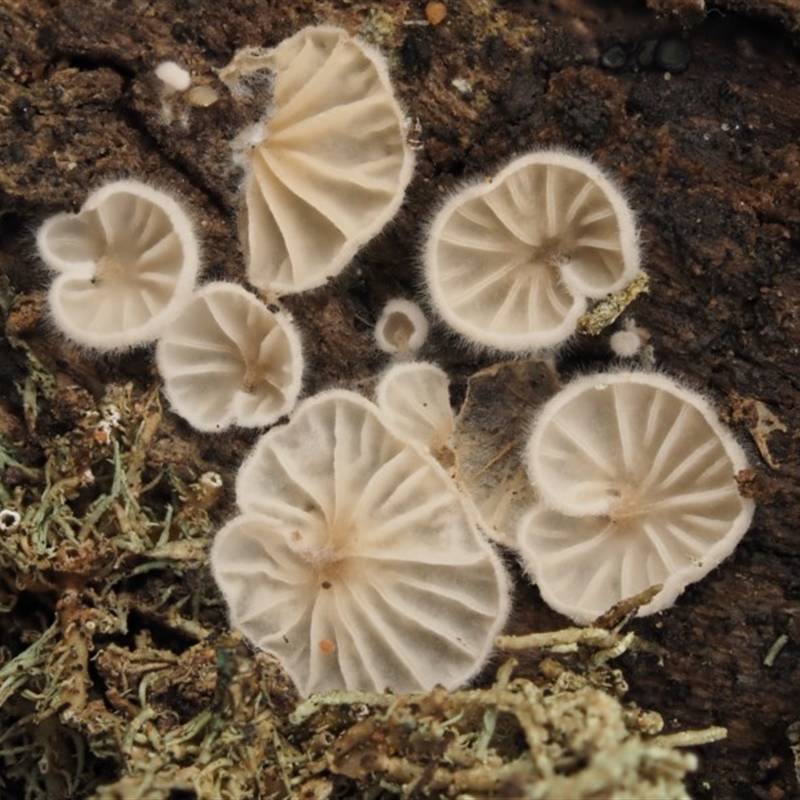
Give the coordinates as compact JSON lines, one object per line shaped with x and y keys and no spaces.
{"x":710,"y":157}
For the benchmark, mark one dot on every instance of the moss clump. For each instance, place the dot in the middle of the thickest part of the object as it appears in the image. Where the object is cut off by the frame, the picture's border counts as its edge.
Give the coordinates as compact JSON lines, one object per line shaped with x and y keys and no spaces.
{"x":117,"y":679}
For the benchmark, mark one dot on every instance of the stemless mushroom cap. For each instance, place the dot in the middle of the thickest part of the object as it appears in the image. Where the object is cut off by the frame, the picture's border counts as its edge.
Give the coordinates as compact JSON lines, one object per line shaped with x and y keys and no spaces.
{"x":636,"y":479}
{"x":415,"y":399}
{"x":401,"y":328}
{"x":227,"y":359}
{"x":333,"y":163}
{"x":355,"y":561}
{"x":128,"y":261}
{"x":510,"y":262}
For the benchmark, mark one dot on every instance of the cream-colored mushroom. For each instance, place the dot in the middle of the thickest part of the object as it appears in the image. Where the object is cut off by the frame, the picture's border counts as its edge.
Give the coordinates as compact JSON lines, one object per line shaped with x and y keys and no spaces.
{"x":127,"y":263}
{"x":229,"y":360}
{"x":415,"y":399}
{"x":636,"y":481}
{"x":355,"y":560}
{"x":328,"y":166}
{"x":401,"y":328}
{"x":510,"y":262}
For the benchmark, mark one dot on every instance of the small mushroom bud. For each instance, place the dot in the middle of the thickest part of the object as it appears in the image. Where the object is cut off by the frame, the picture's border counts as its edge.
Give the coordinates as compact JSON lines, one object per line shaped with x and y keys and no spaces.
{"x":401,"y":328}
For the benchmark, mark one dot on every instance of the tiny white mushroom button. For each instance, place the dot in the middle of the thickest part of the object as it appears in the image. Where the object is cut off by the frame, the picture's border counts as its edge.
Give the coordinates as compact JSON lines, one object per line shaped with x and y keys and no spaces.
{"x":629,"y":340}
{"x":416,"y":401}
{"x":401,"y":328}
{"x":174,"y":77}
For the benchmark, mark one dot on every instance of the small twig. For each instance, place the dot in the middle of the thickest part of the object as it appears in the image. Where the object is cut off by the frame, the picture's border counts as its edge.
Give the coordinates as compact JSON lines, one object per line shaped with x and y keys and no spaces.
{"x":775,"y":649}
{"x":599,"y":637}
{"x":690,"y":738}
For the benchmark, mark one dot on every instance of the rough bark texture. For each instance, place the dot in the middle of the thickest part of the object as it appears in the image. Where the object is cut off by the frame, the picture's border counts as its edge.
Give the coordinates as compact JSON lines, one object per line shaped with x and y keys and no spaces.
{"x":709,"y":156}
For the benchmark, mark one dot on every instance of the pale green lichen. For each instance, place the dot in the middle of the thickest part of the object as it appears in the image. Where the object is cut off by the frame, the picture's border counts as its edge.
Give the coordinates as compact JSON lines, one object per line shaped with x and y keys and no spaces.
{"x":607,"y":311}
{"x":88,"y":521}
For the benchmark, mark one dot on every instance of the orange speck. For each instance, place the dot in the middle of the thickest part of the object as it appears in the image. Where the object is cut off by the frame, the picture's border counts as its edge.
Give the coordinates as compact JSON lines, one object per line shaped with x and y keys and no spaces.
{"x":327,"y":646}
{"x":435,"y":12}
{"x":296,"y":536}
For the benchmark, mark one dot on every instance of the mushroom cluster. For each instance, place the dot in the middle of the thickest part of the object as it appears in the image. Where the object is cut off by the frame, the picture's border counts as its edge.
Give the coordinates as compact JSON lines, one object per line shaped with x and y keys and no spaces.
{"x":357,"y":559}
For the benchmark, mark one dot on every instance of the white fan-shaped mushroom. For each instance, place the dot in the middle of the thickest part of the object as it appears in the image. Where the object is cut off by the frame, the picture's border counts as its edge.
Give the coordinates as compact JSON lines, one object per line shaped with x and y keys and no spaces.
{"x":509,"y":263}
{"x":355,"y":561}
{"x":401,"y":328}
{"x":332,"y":164}
{"x":415,"y":400}
{"x":128,"y":261}
{"x":636,"y":480}
{"x":227,"y":359}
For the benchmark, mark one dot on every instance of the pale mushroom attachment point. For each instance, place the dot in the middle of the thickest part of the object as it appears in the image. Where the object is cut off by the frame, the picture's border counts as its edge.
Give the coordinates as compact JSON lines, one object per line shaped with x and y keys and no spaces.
{"x":355,"y":561}
{"x":328,"y":166}
{"x":510,"y":262}
{"x":636,"y":483}
{"x":229,"y":360}
{"x":126,"y":264}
